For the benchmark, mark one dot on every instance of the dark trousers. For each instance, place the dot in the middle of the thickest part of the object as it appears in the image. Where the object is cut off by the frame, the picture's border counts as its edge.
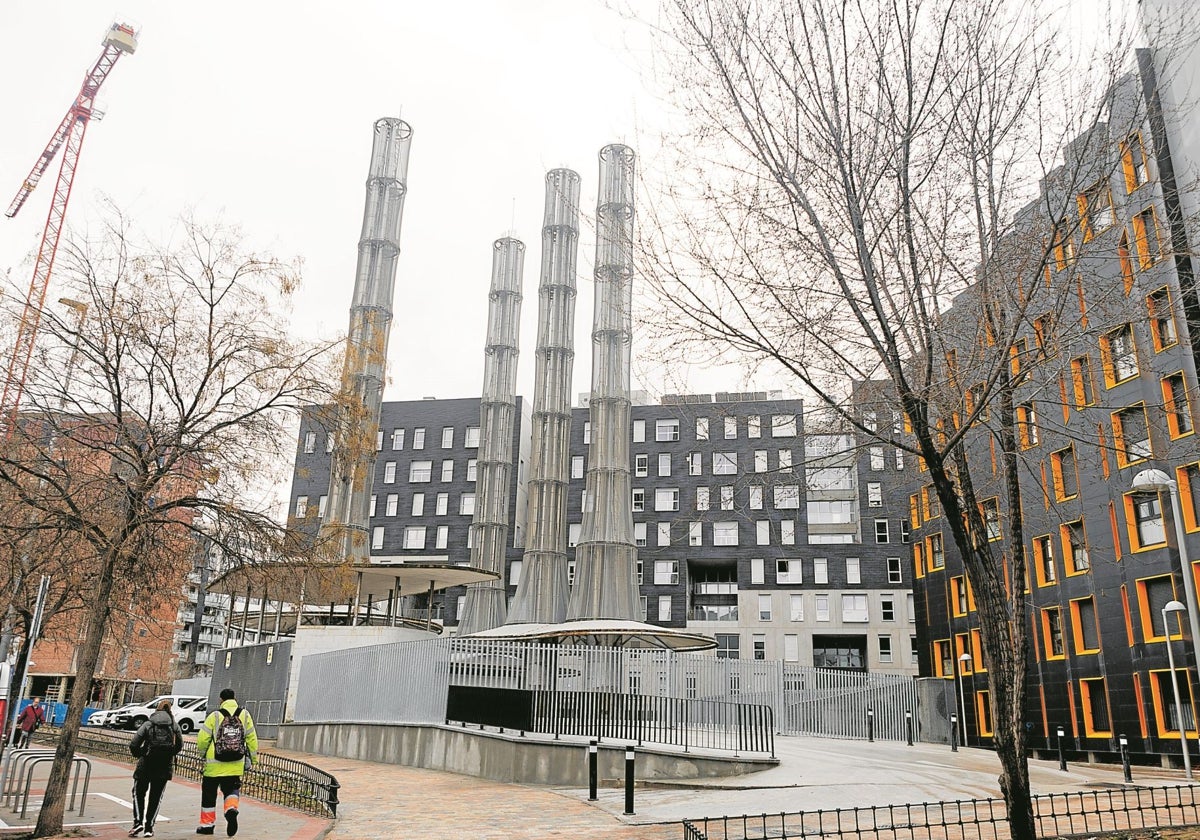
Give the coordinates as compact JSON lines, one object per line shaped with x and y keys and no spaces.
{"x":231,"y":789}
{"x":144,"y":811}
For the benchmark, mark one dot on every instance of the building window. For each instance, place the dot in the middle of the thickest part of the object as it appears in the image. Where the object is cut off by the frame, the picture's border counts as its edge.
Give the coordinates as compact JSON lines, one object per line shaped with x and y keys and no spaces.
{"x":442,"y":504}
{"x":419,"y":472}
{"x":1176,"y":405}
{"x":392,"y":505}
{"x":472,"y":438}
{"x":695,"y":533}
{"x":472,"y":466}
{"x":418,"y":441}
{"x":587,"y":432}
{"x":1081,"y":382}
{"x":443,"y":536}
{"x":854,"y":608}
{"x":301,"y":507}
{"x":701,"y":428}
{"x":372,"y":511}
{"x":730,"y":428}
{"x":990,"y":509}
{"x":821,"y":605}
{"x":1087,"y":630}
{"x":1131,"y":435}
{"x":641,"y":465}
{"x":329,"y":443}
{"x":878,"y":462}
{"x":1096,"y":722}
{"x":1143,"y":511}
{"x":664,"y":534}
{"x":639,"y":533}
{"x":664,"y":464}
{"x":573,"y":532}
{"x":762,"y":532}
{"x":724,"y":463}
{"x":887,"y":608}
{"x":820,"y":570}
{"x":1052,"y":632}
{"x":514,"y":572}
{"x":1043,"y":558}
{"x":885,"y":648}
{"x":639,"y":431}
{"x":760,"y":460}
{"x":853,"y":570}
{"x":787,"y":532}
{"x":666,"y":572}
{"x":1145,"y":238}
{"x":943,"y":660}
{"x":881,"y":531}
{"x":1095,"y":209}
{"x":753,"y":426}
{"x":666,"y":430}
{"x":1062,"y":471}
{"x":788,"y":572}
{"x":666,"y":498}
{"x":1063,"y":246}
{"x":796,"y":607}
{"x":1119,"y":355}
{"x":414,"y":537}
{"x":725,"y":533}
{"x":756,"y":498}
{"x":1133,"y":162}
{"x":397,"y":439}
{"x":727,"y":497}
{"x":377,"y":537}
{"x":960,"y":602}
{"x":728,"y":646}
{"x":1162,"y":320}
{"x":874,"y":494}
{"x":577,"y":466}
{"x":783,"y":425}
{"x":787,"y":497}
{"x":764,"y":607}
{"x":935,"y":551}
{"x":1075,"y":553}
{"x":447,"y":437}
{"x":695,"y":463}
{"x":760,"y":646}
{"x":701,"y":498}
{"x":1027,"y":429}
{"x":389,"y":472}
{"x":466,"y":504}
{"x":905,"y":531}
{"x":895,"y":575}
{"x":638,"y":504}
{"x":310,"y":442}
{"x":785,"y":461}
{"x":1153,"y":594}
{"x":664,"y":607}
{"x":448,"y":470}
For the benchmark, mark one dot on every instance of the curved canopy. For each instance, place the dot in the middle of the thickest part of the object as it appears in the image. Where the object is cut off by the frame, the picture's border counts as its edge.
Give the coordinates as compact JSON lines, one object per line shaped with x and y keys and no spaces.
{"x":605,"y":632}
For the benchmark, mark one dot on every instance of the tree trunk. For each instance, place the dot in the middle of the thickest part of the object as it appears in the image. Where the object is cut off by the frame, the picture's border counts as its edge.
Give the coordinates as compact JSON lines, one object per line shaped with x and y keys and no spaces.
{"x":50,"y":818}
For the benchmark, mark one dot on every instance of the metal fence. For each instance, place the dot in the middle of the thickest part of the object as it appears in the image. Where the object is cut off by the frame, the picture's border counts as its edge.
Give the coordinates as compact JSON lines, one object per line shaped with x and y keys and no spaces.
{"x":361,"y":685}
{"x":283,"y":781}
{"x":1058,"y":814}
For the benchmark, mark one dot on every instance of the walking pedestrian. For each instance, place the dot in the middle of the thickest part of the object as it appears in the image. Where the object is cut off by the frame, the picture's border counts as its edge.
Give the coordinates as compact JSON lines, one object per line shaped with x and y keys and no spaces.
{"x":31,"y":717}
{"x":230,"y":747}
{"x":156,"y":743}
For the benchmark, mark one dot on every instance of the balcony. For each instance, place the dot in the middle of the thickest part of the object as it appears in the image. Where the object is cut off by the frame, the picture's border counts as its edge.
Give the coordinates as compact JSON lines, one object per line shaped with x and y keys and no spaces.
{"x":714,"y":612}
{"x":715,"y":588}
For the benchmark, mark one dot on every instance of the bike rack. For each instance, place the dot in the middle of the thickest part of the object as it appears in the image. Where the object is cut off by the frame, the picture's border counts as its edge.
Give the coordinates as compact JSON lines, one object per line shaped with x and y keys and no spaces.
{"x":77,"y":763}
{"x":14,"y":765}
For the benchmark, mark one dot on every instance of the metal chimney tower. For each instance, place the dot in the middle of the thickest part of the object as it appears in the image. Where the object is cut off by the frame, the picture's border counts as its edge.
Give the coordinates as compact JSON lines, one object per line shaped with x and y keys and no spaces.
{"x":542,"y":591}
{"x":356,"y":420}
{"x":486,"y":603}
{"x":606,"y":557}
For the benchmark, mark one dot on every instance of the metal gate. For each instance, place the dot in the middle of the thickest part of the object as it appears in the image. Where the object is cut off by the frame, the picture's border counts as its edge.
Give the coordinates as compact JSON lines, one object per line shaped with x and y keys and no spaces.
{"x":259,"y":675}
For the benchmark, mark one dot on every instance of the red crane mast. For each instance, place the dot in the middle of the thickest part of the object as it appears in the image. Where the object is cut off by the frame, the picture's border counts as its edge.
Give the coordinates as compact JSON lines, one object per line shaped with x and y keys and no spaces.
{"x":121,"y":38}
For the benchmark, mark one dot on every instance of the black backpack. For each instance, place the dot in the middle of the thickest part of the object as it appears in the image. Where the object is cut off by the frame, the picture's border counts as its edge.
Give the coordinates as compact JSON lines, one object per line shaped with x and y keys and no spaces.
{"x":229,"y":741}
{"x":160,"y":740}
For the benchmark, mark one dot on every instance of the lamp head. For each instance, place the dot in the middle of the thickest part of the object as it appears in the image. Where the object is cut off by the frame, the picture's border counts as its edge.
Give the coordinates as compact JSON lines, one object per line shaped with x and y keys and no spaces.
{"x":1152,"y":481}
{"x":966,"y":657}
{"x":1173,"y":606}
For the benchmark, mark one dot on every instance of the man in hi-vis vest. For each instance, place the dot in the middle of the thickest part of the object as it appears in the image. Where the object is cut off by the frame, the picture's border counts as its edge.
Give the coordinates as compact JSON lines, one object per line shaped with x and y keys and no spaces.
{"x":230,"y":747}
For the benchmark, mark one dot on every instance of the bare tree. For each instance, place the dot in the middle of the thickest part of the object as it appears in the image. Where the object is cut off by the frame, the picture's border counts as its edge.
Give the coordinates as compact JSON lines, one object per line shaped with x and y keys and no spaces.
{"x":164,"y":414}
{"x":849,"y":170}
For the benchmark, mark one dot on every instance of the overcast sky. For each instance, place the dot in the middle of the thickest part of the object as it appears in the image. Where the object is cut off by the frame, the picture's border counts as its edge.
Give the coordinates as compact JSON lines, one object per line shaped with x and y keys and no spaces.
{"x":262,"y":113}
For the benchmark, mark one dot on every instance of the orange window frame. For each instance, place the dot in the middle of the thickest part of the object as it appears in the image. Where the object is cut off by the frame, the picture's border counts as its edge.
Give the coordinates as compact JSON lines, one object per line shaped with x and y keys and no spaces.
{"x":1171,"y":405}
{"x":1148,"y":634}
{"x":1077,"y":625}
{"x":1048,"y":637}
{"x":1106,"y":357}
{"x":1147,"y":239}
{"x":1156,"y":300}
{"x":1056,"y":473}
{"x":983,"y":713}
{"x":1040,"y":546}
{"x":1187,"y":500}
{"x":1082,"y":385}
{"x":1134,"y":164}
{"x":1160,"y":702}
{"x":1120,"y":448}
{"x":1135,"y":543}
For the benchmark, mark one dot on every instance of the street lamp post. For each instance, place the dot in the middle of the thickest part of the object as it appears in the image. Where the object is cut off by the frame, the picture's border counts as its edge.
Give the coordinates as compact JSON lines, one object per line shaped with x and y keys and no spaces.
{"x":1176,"y":607}
{"x":964,"y":662}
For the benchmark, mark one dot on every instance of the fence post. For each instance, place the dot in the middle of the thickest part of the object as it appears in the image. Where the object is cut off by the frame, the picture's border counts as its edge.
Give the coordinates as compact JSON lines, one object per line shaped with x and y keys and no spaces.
{"x":1062,"y":756}
{"x":908,"y":725}
{"x":953,"y":732}
{"x":870,"y":725}
{"x":592,"y":750}
{"x":1124,"y":742}
{"x":332,"y":799}
{"x":629,"y":753}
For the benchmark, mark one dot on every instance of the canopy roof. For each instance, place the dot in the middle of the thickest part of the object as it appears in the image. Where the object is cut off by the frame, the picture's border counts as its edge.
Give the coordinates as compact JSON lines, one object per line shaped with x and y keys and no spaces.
{"x":607,"y":632}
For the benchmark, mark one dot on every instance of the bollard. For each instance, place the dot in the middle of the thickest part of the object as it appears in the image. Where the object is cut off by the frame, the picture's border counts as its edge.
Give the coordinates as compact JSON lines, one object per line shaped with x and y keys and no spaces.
{"x":1124,"y":742}
{"x":592,"y":750}
{"x":629,"y":780}
{"x":870,"y":726}
{"x":908,"y":726}
{"x":1062,"y":757}
{"x":953,"y":732}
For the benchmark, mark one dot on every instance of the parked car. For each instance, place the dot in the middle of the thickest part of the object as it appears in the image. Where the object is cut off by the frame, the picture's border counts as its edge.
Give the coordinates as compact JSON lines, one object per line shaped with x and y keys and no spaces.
{"x":102,"y":717}
{"x":134,"y":716}
{"x":190,"y":718}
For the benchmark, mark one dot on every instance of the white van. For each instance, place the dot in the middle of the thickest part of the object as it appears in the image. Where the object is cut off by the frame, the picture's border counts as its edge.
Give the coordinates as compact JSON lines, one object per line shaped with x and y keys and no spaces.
{"x":132,"y":718}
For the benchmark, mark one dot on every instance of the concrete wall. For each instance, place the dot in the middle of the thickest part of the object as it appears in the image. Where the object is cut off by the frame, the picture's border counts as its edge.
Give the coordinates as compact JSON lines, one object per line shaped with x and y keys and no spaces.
{"x":502,"y":758}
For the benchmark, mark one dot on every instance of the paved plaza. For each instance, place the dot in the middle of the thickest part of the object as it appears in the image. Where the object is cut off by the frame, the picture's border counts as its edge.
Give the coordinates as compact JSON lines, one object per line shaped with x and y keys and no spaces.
{"x":389,"y":801}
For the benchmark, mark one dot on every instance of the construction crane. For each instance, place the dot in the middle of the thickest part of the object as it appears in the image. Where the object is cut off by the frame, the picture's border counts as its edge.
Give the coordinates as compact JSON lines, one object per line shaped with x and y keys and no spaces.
{"x":121,"y":38}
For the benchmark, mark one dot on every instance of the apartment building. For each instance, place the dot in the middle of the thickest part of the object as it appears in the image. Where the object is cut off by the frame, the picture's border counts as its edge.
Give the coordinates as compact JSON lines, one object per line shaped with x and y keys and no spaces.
{"x":1106,"y":372}
{"x":779,"y":542}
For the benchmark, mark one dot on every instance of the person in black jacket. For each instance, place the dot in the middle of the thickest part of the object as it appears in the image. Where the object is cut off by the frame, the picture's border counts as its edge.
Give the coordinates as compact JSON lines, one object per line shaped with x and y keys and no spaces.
{"x":156,"y":744}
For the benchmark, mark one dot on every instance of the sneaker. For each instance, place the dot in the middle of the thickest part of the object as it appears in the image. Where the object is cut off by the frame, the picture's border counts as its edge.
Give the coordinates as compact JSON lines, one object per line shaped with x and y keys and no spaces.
{"x":231,"y":822}
{"x":136,"y":831}
{"x":149,"y":832}
{"x":206,"y":829}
